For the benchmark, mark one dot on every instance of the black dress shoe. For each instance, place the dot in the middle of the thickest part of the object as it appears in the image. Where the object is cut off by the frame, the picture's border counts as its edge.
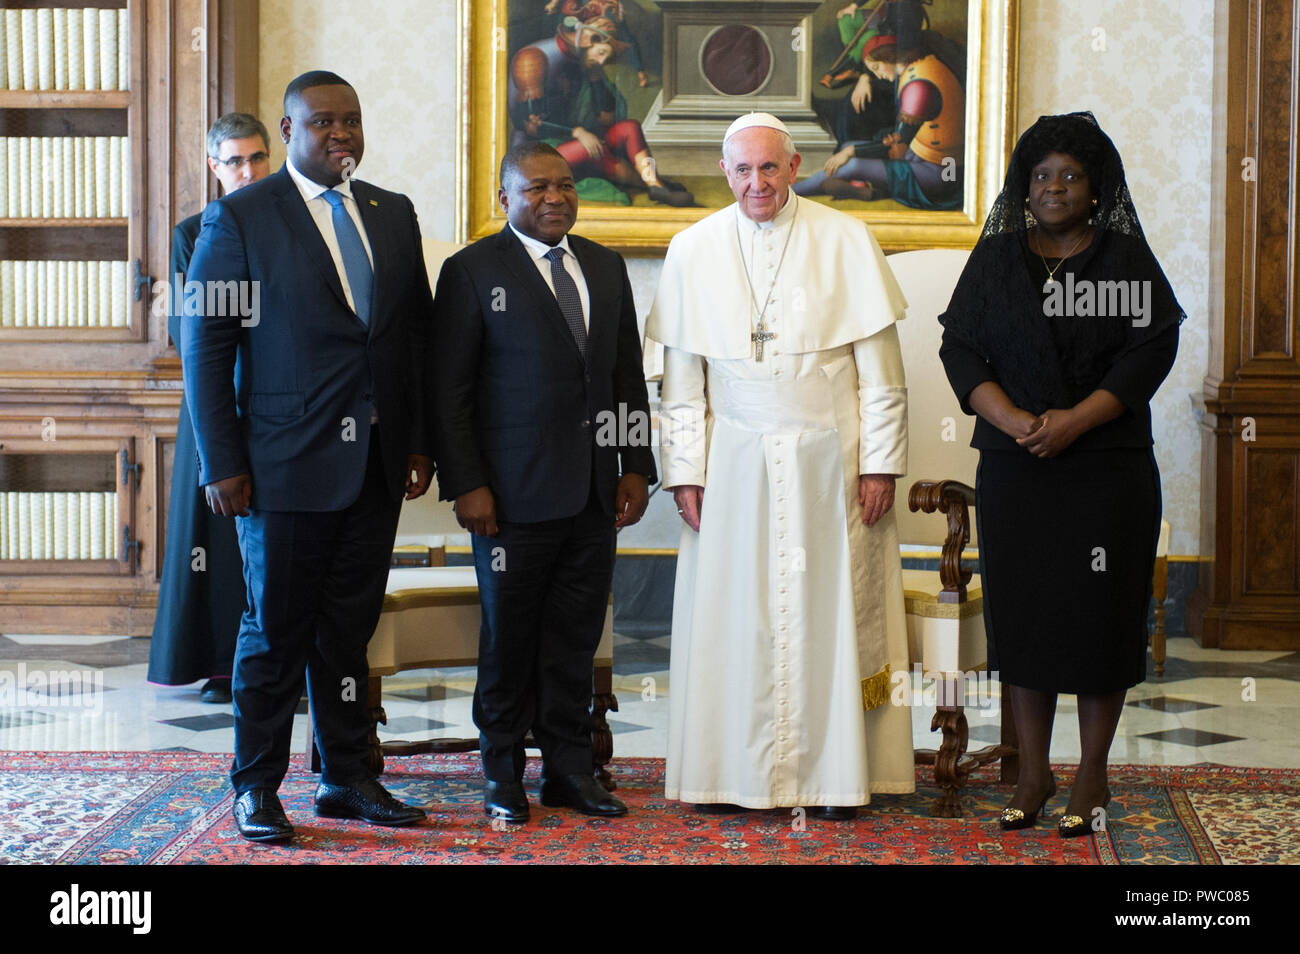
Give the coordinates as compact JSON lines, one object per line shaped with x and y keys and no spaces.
{"x":367,"y":800}
{"x":719,"y":808}
{"x":260,"y":816}
{"x":833,"y":812}
{"x":582,"y":792}
{"x":215,"y":690}
{"x":505,"y":800}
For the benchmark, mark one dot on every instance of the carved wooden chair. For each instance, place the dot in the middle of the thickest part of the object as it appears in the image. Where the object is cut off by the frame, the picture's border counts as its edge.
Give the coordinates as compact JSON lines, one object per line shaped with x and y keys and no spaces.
{"x":946,"y":626}
{"x":945,"y":609}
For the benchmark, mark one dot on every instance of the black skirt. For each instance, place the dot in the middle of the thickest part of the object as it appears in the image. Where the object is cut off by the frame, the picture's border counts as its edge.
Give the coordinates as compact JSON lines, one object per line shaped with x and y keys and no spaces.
{"x":1067,"y":548}
{"x":199,"y":603}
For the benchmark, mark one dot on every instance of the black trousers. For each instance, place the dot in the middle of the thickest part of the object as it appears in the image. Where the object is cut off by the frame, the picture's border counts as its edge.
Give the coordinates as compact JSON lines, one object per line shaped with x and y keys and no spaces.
{"x":545,"y":590}
{"x":315,"y":585}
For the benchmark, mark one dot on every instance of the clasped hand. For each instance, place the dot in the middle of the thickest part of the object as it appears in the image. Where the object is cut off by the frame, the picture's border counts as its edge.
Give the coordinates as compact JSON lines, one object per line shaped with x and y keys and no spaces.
{"x":1049,"y":433}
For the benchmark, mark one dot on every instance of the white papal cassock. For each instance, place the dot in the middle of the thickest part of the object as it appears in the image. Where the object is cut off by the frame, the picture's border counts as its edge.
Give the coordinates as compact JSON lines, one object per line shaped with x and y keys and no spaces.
{"x":788,"y":616}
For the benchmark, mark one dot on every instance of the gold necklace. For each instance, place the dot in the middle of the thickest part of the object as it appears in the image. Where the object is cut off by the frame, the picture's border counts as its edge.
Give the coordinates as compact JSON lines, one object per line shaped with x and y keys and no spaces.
{"x":1052,"y":271}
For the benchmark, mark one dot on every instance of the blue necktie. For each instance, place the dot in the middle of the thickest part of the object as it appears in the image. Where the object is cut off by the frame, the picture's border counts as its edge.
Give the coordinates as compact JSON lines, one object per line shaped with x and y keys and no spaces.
{"x":566,"y":293}
{"x":355,"y":260}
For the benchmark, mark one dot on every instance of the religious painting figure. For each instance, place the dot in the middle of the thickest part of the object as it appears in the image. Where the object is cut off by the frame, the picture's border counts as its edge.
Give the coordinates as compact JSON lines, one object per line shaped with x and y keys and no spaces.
{"x":869,"y":105}
{"x":918,"y":160}
{"x":784,"y":394}
{"x":559,"y":94}
{"x":588,"y":10}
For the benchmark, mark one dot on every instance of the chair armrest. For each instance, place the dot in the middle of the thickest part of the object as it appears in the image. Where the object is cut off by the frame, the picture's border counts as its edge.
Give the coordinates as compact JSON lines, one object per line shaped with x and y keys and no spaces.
{"x":953,"y":498}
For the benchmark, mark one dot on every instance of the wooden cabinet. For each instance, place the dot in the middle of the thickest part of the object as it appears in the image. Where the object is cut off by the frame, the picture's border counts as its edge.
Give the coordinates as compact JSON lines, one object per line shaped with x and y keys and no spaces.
{"x":1249,"y":596}
{"x":88,"y":408}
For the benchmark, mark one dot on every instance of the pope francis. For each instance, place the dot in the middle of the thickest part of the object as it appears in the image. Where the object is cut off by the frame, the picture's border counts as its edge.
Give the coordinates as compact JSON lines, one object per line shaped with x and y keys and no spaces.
{"x":784,"y":394}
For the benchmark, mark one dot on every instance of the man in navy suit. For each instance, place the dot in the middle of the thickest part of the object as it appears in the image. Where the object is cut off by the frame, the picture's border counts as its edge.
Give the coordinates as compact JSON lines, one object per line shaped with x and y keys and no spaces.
{"x":317,"y":306}
{"x":541,"y":428}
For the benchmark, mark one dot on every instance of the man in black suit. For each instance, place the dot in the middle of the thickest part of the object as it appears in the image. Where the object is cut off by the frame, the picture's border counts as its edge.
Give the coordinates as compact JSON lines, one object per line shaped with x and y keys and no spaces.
{"x":539,"y":406}
{"x":201,"y":594}
{"x":314,"y":444}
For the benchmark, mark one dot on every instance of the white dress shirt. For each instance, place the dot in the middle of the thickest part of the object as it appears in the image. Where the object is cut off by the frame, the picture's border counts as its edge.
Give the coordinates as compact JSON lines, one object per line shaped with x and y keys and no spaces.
{"x":322,"y":214}
{"x":538,"y":251}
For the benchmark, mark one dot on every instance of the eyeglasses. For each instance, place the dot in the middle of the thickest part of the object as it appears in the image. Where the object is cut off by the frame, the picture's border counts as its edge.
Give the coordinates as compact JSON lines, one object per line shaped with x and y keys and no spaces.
{"x":237,"y":162}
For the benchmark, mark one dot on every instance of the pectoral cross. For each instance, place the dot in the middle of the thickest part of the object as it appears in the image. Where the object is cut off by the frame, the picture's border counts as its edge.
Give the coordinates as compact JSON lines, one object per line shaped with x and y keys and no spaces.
{"x":760,"y":336}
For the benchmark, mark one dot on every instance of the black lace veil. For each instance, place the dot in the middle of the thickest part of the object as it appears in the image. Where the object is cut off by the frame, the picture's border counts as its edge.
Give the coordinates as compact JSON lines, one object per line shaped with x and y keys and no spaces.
{"x":1078,"y":135}
{"x":997,"y":308}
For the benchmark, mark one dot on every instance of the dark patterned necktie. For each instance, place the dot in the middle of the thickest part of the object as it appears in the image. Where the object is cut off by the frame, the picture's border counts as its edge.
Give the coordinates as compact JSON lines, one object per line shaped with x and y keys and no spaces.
{"x":566,"y":293}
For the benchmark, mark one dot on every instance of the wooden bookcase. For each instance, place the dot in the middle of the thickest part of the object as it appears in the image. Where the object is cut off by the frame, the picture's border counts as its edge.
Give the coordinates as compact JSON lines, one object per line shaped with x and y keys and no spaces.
{"x":93,"y":409}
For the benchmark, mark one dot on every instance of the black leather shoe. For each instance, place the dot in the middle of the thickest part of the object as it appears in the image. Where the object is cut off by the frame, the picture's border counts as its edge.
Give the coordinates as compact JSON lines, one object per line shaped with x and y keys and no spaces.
{"x":215,"y":690}
{"x":833,"y":812}
{"x":582,"y":792}
{"x":719,"y":808}
{"x":260,"y":816}
{"x":505,"y":800}
{"x":367,"y":800}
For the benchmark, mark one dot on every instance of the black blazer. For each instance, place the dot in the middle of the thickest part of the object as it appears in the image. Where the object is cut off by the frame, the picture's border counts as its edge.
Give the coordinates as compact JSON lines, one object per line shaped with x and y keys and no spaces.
{"x":308,"y":366}
{"x":514,"y":407}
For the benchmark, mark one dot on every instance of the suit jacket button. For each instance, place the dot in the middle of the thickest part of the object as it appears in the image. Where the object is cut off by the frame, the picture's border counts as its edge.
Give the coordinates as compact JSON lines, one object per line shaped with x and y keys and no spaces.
{"x":586,"y":423}
{"x":588,"y":377}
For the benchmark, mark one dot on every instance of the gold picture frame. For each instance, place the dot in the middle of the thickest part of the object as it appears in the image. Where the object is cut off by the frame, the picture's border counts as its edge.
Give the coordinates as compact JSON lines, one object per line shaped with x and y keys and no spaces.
{"x":484,"y":131}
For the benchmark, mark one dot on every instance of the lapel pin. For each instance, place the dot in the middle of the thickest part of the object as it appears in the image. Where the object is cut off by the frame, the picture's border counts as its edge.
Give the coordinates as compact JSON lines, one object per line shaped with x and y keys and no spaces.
{"x":374,"y":203}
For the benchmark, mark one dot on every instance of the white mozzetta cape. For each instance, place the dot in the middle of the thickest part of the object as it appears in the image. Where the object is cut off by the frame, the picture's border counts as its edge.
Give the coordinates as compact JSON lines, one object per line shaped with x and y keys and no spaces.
{"x":702,"y":304}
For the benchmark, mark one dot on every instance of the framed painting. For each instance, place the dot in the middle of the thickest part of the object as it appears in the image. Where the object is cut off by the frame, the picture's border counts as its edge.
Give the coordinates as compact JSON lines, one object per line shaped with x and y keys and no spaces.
{"x":902,"y":110}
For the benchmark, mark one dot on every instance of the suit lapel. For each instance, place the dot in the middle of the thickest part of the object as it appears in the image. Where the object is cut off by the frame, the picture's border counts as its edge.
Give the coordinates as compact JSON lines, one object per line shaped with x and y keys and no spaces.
{"x":373,"y":217}
{"x":521,"y":264}
{"x":302,"y":226}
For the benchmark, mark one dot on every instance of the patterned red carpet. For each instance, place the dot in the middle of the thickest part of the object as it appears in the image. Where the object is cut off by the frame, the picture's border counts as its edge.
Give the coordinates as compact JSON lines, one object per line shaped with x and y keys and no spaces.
{"x":174,"y":808}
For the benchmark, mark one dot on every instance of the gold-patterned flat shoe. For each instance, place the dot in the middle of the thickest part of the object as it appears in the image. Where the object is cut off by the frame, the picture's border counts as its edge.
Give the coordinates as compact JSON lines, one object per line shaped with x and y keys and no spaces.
{"x":1012,"y":819}
{"x":1072,"y":826}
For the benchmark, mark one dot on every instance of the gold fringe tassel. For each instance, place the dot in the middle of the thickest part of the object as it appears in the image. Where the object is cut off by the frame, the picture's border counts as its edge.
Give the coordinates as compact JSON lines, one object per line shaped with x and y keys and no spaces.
{"x":875,"y":689}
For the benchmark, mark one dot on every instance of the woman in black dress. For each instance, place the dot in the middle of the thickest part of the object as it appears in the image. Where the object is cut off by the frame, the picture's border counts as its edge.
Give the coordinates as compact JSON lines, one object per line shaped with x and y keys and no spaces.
{"x":1060,"y":330}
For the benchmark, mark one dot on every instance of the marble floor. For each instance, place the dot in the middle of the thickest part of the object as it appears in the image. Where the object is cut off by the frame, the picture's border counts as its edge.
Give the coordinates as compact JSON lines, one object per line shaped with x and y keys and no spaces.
{"x":88,"y":693}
